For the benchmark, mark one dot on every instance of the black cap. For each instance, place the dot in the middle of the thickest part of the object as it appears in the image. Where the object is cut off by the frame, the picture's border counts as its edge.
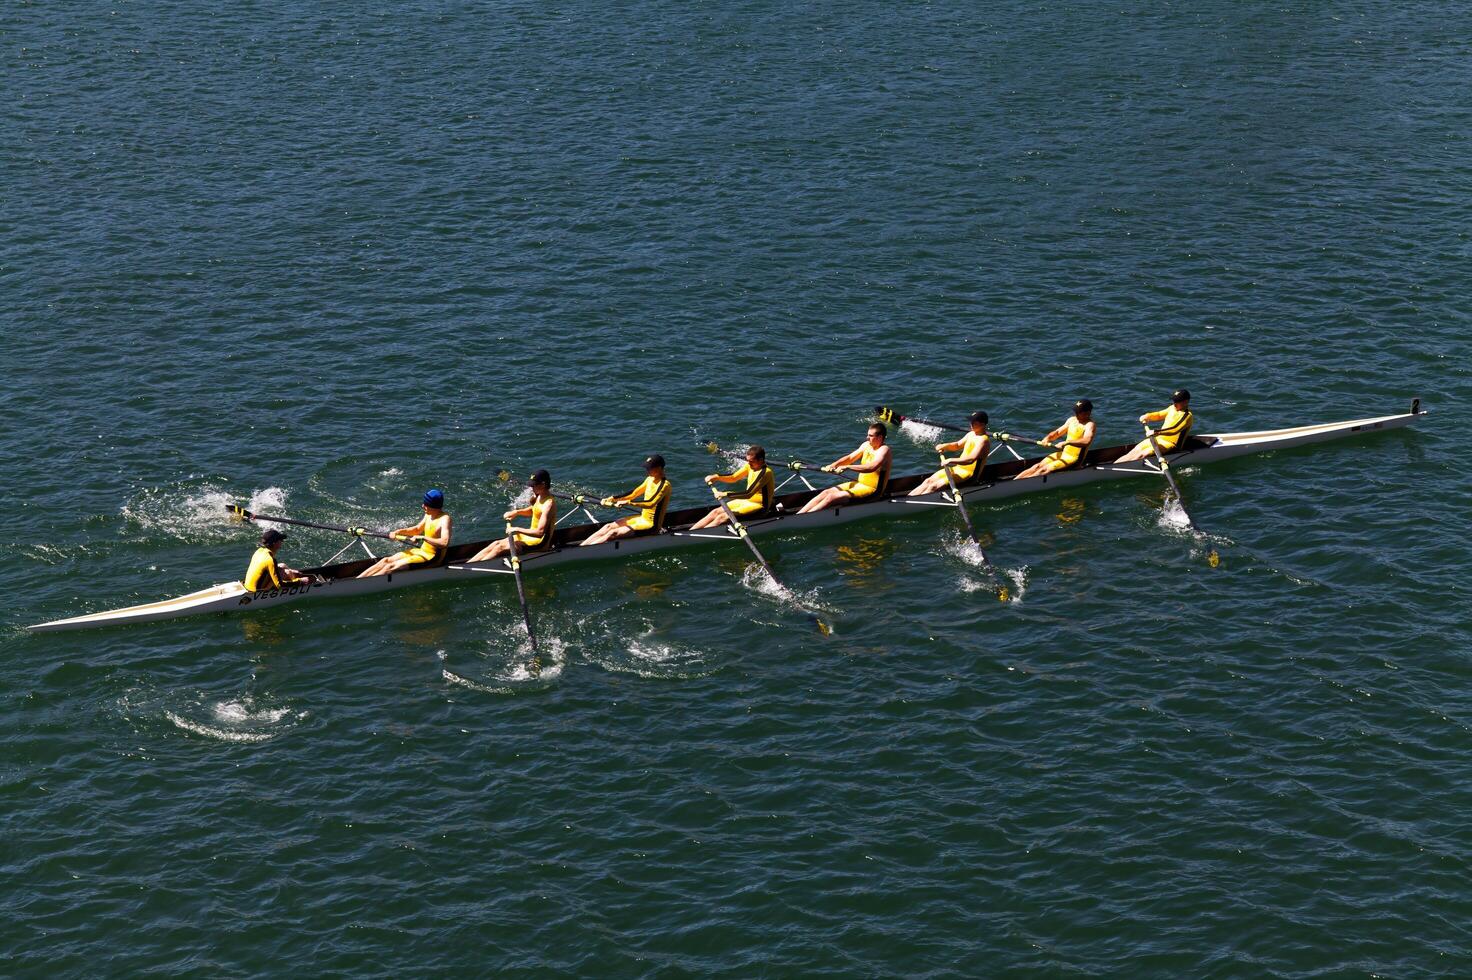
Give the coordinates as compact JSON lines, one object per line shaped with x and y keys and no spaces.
{"x":541,"y":478}
{"x":655,"y":462}
{"x":1083,"y":405}
{"x":271,"y":536}
{"x":980,"y":417}
{"x":1180,"y":395}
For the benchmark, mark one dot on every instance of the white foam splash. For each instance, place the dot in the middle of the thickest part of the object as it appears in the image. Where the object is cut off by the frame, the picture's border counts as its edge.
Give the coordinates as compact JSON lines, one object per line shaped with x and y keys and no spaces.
{"x":222,"y":734}
{"x":755,"y":578}
{"x":1173,"y":515}
{"x":922,"y":434}
{"x":200,"y":513}
{"x":238,"y":721}
{"x":526,"y":671}
{"x":391,"y":471}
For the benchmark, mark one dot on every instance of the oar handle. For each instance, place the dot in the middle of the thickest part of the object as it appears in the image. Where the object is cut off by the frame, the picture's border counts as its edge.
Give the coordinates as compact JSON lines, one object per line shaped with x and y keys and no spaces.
{"x":236,"y":510}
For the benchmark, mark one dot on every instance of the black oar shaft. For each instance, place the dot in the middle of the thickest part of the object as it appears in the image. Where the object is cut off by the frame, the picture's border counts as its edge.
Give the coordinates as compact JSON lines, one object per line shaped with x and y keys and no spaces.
{"x":971,"y":529}
{"x":887,"y":414}
{"x":1170,"y":479}
{"x":244,"y":514}
{"x":526,"y":612}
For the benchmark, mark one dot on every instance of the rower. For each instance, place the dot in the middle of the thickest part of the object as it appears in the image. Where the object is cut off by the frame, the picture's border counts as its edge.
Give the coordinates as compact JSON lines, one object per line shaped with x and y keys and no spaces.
{"x":1077,"y":431}
{"x":971,"y":452}
{"x":756,"y":499}
{"x":870,"y":461}
{"x":1175,"y":426}
{"x":543,"y":514}
{"x":264,"y":572}
{"x":432,"y":532}
{"x":652,"y":497}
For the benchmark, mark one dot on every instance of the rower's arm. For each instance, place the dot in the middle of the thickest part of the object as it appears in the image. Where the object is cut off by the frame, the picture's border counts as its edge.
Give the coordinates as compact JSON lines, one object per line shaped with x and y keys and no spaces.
{"x":1153,"y":417}
{"x":948,"y":447}
{"x":405,"y":532}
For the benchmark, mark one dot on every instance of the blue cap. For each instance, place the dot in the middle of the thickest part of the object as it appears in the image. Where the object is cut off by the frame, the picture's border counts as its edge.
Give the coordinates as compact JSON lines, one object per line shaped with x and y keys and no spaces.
{"x":435,"y":499}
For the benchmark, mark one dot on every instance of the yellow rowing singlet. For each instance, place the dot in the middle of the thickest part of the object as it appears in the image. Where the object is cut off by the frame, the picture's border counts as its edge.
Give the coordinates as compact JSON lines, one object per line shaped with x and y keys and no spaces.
{"x":1068,"y":455}
{"x":262,"y":567}
{"x":761,"y":486}
{"x":970,"y":444}
{"x":539,"y":507}
{"x":653,"y":495}
{"x":424,"y":551}
{"x":864,"y":484}
{"x":1175,"y":426}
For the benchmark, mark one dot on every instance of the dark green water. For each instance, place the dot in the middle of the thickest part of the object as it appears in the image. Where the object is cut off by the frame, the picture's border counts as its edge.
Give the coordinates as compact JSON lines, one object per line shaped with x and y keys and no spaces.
{"x":320,"y":256}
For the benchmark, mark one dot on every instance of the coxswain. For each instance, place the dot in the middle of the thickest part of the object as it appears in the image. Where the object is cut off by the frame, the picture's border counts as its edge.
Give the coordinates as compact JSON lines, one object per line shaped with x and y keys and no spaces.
{"x":755,"y":500}
{"x":971,"y":453}
{"x":1175,"y":426}
{"x":652,"y":497}
{"x":543,"y":514}
{"x":1077,"y":432}
{"x":432,"y":532}
{"x":870,"y":461}
{"x":264,"y":572}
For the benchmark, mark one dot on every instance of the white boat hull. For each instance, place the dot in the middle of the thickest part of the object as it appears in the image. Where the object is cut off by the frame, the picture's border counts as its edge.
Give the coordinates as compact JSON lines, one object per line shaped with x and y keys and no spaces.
{"x":233,"y":597}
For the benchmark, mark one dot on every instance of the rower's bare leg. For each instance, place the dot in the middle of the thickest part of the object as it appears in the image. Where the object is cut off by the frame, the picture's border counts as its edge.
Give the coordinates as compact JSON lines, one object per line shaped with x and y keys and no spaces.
{"x":930,"y":485}
{"x":715,"y":518}
{"x":618,"y":529}
{"x":495,"y":549}
{"x":828,"y":498}
{"x":385,"y":566}
{"x":1139,"y":452}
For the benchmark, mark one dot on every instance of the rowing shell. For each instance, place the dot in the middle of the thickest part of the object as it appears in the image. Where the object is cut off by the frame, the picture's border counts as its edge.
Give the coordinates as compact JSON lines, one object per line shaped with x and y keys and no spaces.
{"x":993,"y":483}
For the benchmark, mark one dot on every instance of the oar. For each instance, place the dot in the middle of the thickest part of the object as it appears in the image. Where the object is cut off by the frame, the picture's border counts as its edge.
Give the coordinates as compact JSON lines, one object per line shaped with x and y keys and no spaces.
{"x":526,"y":613}
{"x":715,"y":449}
{"x":1009,"y":437}
{"x":744,"y":535}
{"x":971,"y":530}
{"x":886,"y":414}
{"x":576,"y":498}
{"x":245,"y":515}
{"x":1212,"y":558}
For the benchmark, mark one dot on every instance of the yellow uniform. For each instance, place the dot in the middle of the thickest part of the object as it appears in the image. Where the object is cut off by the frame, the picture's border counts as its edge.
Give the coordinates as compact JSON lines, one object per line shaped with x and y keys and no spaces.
{"x":971,"y":444}
{"x":867,"y":483}
{"x":761,"y":487}
{"x":425,"y":551}
{"x":262,"y":574}
{"x":1175,"y":426}
{"x":1068,"y":455}
{"x":525,"y":539}
{"x":652,"y":495}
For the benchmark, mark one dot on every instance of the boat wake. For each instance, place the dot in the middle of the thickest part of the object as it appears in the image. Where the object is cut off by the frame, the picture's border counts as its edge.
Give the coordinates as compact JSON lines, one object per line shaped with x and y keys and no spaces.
{"x":239,"y":720}
{"x":192,"y":515}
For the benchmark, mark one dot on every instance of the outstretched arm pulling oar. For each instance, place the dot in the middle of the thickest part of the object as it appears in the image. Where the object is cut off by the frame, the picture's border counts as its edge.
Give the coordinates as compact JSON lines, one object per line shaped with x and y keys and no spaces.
{"x":1212,"y":558}
{"x":245,"y":515}
{"x":971,"y":530}
{"x":739,"y":529}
